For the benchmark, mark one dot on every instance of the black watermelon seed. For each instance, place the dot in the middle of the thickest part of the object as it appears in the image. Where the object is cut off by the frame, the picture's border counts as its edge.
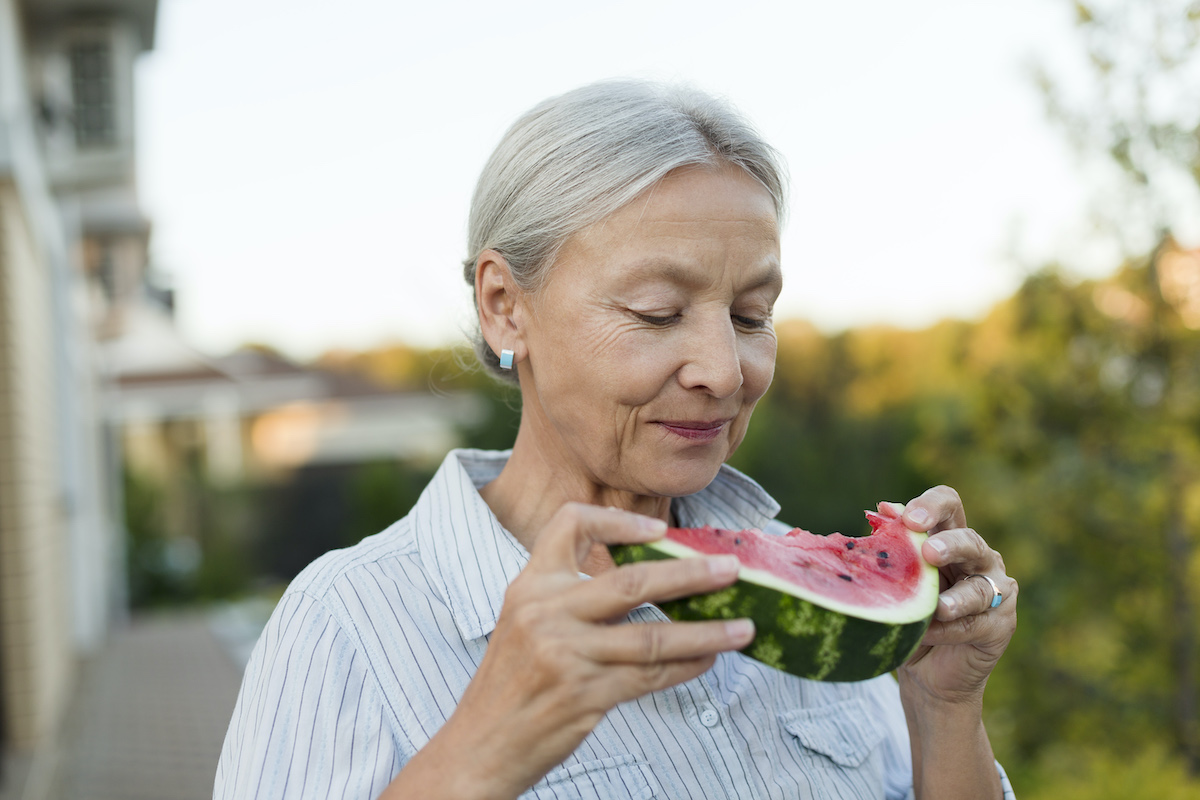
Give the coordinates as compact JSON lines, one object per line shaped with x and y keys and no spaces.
{"x":849,"y":545}
{"x":845,"y":577}
{"x":737,"y":541}
{"x":883,"y":554}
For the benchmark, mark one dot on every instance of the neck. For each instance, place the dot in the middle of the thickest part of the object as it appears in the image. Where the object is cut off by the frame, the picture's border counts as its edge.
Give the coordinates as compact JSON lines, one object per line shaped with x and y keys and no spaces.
{"x":524,"y":511}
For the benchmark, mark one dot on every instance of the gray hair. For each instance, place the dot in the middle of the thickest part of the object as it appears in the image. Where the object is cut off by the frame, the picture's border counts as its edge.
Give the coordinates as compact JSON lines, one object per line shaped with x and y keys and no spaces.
{"x":576,"y":158}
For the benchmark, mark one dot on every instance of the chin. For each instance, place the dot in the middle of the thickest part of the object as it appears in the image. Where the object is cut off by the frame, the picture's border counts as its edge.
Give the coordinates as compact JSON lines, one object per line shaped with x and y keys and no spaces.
{"x":682,"y":478}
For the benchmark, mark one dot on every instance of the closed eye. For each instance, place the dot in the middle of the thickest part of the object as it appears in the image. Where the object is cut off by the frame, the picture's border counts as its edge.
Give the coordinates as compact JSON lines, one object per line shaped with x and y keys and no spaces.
{"x":658,"y":321}
{"x":750,"y":322}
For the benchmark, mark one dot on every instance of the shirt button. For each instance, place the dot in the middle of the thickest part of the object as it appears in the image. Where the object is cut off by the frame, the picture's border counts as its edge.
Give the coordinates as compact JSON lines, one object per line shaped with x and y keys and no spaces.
{"x":709,"y":717}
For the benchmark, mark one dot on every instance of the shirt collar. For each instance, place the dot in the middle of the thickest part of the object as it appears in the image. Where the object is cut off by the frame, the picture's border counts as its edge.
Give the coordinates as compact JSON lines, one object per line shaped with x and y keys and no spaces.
{"x":471,"y":559}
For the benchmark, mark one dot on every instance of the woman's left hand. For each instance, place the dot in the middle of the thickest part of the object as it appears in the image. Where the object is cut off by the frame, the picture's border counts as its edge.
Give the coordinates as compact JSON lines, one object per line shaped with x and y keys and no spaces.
{"x":941,"y":685}
{"x":967,"y":635}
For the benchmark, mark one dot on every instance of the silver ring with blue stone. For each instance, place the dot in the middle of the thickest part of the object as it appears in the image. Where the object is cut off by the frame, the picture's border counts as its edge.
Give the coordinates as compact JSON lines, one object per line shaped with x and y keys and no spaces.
{"x":997,"y":596}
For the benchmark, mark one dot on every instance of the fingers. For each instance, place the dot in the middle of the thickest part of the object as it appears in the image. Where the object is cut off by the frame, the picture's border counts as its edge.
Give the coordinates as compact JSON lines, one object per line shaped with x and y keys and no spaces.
{"x":970,"y":597}
{"x":964,"y":550}
{"x":959,"y":553}
{"x":652,"y":642}
{"x":967,"y":635}
{"x":939,"y":508}
{"x":574,"y":528}
{"x":647,"y":657}
{"x":993,"y":627}
{"x":614,"y":593}
{"x":634,"y":680}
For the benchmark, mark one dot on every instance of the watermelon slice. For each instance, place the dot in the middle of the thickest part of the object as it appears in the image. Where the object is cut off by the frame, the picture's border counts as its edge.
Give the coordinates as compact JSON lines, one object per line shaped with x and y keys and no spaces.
{"x":831,"y":608}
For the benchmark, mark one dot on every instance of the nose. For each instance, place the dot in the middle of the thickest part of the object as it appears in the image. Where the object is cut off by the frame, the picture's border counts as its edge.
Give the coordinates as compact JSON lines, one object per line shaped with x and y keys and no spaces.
{"x":713,"y":362}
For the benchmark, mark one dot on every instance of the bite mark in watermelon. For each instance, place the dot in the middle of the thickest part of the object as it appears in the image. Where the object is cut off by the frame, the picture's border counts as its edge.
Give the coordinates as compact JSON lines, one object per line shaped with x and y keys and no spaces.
{"x":832,"y":608}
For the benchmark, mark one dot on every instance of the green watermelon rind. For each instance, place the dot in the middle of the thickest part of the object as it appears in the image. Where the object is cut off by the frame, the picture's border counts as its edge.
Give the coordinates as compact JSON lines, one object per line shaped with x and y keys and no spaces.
{"x":807,"y":636}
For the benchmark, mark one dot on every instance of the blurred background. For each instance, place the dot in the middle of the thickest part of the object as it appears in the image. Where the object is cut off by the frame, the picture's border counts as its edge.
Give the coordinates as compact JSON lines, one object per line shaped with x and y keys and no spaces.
{"x":231,"y":313}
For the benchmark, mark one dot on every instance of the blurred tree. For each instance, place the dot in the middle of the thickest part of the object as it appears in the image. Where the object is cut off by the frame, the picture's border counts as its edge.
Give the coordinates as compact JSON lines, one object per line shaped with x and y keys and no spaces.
{"x":326,"y":506}
{"x":1139,"y":104}
{"x":829,"y":439}
{"x":208,"y":561}
{"x":1133,"y":99}
{"x":150,"y":581}
{"x":1070,"y":461}
{"x":380,"y":493}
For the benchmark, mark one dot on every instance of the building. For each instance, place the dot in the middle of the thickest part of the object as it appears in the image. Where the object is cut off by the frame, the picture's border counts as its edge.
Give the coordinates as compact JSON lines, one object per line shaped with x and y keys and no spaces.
{"x":73,"y":250}
{"x":94,"y":376}
{"x":254,"y":415}
{"x":218,"y":450}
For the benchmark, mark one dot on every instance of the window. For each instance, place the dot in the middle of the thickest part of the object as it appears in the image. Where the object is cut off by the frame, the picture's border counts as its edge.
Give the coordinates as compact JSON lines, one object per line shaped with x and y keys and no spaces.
{"x":92,"y":88}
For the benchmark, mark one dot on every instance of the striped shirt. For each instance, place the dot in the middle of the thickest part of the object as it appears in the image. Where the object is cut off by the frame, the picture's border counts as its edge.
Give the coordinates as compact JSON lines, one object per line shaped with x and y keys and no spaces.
{"x":371,"y":648}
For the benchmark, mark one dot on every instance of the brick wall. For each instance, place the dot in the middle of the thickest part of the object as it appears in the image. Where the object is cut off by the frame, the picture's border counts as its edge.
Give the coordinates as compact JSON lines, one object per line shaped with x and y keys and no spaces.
{"x":35,"y":646}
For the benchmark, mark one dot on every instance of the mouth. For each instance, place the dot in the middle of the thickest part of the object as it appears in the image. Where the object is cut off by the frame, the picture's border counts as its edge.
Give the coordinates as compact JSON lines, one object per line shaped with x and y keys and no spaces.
{"x":696,"y":431}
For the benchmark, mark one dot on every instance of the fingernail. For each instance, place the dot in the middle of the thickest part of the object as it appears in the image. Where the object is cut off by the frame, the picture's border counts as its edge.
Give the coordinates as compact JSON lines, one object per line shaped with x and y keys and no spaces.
{"x":723,"y":566}
{"x":938,"y":546}
{"x":950,"y":604}
{"x":653,"y":525}
{"x":739,"y":630}
{"x":919,"y":516}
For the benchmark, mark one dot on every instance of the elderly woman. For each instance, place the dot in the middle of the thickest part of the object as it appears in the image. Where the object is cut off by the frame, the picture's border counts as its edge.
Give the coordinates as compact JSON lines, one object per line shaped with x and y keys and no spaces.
{"x":624,"y":253}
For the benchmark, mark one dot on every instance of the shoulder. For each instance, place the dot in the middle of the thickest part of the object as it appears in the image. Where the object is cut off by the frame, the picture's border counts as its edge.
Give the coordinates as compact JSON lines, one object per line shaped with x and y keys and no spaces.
{"x":330,"y":627}
{"x":336,"y":597}
{"x":317,"y":596}
{"x":394,"y":544}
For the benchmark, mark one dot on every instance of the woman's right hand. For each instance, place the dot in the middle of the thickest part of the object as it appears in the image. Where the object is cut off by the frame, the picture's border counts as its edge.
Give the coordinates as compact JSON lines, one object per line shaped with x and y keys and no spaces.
{"x":555,"y":664}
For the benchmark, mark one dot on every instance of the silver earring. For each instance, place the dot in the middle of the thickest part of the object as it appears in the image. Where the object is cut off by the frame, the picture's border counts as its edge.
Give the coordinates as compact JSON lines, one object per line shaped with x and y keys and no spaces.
{"x":506,"y":359}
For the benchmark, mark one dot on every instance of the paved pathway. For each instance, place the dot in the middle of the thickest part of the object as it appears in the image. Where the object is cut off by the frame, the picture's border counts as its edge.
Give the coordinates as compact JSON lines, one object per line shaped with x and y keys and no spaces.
{"x":150,"y":714}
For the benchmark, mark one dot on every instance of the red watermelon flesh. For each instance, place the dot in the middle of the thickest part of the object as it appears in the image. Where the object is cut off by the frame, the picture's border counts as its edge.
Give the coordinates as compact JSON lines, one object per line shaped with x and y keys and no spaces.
{"x":882,"y":569}
{"x":832,"y":608}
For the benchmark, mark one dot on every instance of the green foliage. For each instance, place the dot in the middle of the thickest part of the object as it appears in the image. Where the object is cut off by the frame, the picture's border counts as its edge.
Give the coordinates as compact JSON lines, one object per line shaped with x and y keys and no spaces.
{"x":380,"y":493}
{"x":1068,"y":468}
{"x":150,"y":580}
{"x":823,"y":461}
{"x":225,"y":570}
{"x":319,"y":508}
{"x":242,"y":534}
{"x":1148,"y":773}
{"x":168,"y":566}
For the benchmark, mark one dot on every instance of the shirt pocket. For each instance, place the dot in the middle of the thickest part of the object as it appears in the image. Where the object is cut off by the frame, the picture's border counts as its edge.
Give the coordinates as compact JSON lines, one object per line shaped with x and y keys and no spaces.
{"x":615,"y":778}
{"x":843,"y":732}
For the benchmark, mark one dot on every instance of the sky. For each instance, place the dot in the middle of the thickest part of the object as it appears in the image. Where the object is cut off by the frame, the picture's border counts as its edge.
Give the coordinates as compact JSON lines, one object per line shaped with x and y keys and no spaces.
{"x":308,"y":165}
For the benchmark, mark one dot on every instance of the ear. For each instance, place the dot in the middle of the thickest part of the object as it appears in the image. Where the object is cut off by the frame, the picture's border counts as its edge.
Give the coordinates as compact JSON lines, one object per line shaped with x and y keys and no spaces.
{"x":499,"y":300}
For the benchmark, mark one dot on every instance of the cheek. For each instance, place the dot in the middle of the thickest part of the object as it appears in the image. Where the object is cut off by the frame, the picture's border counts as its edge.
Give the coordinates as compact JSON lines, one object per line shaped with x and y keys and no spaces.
{"x":758,"y":366}
{"x":758,"y":369}
{"x":636,"y":374}
{"x":597,"y":364}
{"x":630,"y":362}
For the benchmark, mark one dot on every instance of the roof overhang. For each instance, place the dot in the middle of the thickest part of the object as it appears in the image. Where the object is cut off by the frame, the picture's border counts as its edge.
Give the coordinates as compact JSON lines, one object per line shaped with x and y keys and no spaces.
{"x":143,"y":13}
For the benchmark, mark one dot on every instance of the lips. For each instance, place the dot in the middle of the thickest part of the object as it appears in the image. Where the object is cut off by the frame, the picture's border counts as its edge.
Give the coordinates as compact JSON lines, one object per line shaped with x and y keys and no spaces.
{"x":694,"y":430}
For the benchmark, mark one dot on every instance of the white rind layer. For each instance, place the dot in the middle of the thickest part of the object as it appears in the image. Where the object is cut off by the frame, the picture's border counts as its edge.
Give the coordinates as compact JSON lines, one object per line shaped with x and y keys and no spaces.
{"x":918,"y":607}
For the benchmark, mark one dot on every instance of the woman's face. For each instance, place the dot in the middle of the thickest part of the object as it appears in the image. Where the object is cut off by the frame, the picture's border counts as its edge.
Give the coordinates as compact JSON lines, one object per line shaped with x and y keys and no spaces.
{"x":652,"y":340}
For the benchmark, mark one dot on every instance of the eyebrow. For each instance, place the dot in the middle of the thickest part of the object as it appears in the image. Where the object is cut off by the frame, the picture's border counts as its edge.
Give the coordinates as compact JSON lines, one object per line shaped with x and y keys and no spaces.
{"x":674,"y":272}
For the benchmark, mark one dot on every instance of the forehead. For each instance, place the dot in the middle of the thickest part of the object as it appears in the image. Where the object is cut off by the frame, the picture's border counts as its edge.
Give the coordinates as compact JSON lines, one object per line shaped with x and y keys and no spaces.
{"x":694,"y":218}
{"x":704,"y":195}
